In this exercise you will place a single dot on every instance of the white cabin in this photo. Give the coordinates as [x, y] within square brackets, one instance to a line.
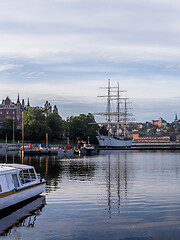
[18, 182]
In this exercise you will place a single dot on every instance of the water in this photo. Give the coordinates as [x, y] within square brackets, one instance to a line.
[114, 195]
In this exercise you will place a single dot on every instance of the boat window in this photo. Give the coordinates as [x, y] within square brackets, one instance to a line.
[27, 175]
[32, 174]
[9, 180]
[0, 188]
[15, 180]
[3, 181]
[21, 176]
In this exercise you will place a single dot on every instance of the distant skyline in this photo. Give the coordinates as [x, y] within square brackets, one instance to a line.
[63, 51]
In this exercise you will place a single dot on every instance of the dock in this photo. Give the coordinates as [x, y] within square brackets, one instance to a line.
[147, 146]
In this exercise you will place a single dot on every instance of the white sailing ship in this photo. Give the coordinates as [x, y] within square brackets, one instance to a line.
[117, 130]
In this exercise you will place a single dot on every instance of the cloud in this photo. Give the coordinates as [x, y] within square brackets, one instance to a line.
[68, 48]
[8, 66]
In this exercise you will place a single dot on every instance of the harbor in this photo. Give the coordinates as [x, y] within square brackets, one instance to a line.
[115, 193]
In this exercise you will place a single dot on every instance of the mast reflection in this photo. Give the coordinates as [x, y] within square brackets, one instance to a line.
[117, 171]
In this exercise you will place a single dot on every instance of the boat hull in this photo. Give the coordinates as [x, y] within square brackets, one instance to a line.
[106, 141]
[15, 196]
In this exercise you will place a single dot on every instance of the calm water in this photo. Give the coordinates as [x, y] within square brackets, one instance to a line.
[113, 195]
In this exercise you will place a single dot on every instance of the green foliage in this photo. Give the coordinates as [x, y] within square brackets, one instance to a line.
[103, 130]
[35, 127]
[55, 110]
[39, 121]
[55, 125]
[7, 128]
[47, 109]
[81, 127]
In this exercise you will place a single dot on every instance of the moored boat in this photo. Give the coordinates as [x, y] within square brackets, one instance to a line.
[117, 136]
[18, 183]
[84, 148]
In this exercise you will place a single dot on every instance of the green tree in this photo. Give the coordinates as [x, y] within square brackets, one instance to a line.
[83, 126]
[7, 128]
[35, 127]
[47, 109]
[55, 109]
[55, 125]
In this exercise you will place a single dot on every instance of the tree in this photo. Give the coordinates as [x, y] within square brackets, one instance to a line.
[55, 124]
[35, 127]
[7, 128]
[47, 109]
[55, 109]
[83, 126]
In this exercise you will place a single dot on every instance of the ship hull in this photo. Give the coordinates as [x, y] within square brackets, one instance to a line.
[109, 141]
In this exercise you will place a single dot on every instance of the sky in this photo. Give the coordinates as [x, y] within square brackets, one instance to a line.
[63, 51]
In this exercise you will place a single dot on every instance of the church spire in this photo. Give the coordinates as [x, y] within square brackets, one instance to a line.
[176, 118]
[28, 103]
[18, 99]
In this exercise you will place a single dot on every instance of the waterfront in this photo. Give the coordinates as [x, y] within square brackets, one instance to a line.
[114, 195]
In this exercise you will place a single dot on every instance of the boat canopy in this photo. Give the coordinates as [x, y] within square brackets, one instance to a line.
[10, 167]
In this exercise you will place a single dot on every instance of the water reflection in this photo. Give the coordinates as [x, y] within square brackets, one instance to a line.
[23, 215]
[117, 174]
[113, 195]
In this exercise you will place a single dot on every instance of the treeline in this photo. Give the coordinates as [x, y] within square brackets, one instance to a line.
[41, 120]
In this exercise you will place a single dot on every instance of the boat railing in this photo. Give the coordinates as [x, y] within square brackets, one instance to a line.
[39, 176]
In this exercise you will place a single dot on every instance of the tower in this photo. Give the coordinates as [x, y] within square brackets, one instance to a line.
[176, 118]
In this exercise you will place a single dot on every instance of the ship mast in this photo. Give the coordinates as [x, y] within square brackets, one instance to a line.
[118, 109]
[121, 113]
[109, 107]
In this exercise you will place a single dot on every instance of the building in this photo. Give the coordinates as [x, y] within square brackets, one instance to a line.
[142, 138]
[160, 122]
[13, 110]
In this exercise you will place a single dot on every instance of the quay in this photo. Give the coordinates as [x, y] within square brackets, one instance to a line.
[146, 146]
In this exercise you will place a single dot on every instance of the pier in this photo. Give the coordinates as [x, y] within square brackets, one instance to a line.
[147, 146]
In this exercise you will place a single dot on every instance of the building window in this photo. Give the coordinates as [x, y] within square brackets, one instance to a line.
[13, 117]
[0, 112]
[7, 112]
[13, 112]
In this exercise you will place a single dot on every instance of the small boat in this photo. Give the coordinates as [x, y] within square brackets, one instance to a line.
[18, 183]
[84, 148]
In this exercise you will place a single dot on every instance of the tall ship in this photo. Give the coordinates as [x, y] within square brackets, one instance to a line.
[116, 120]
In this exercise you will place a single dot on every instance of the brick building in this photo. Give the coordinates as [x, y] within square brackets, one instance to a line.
[13, 110]
[161, 122]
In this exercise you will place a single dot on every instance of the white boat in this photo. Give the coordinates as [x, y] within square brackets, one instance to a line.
[18, 183]
[111, 141]
[84, 148]
[117, 129]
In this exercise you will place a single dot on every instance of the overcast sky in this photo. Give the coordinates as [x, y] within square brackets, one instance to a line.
[64, 50]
